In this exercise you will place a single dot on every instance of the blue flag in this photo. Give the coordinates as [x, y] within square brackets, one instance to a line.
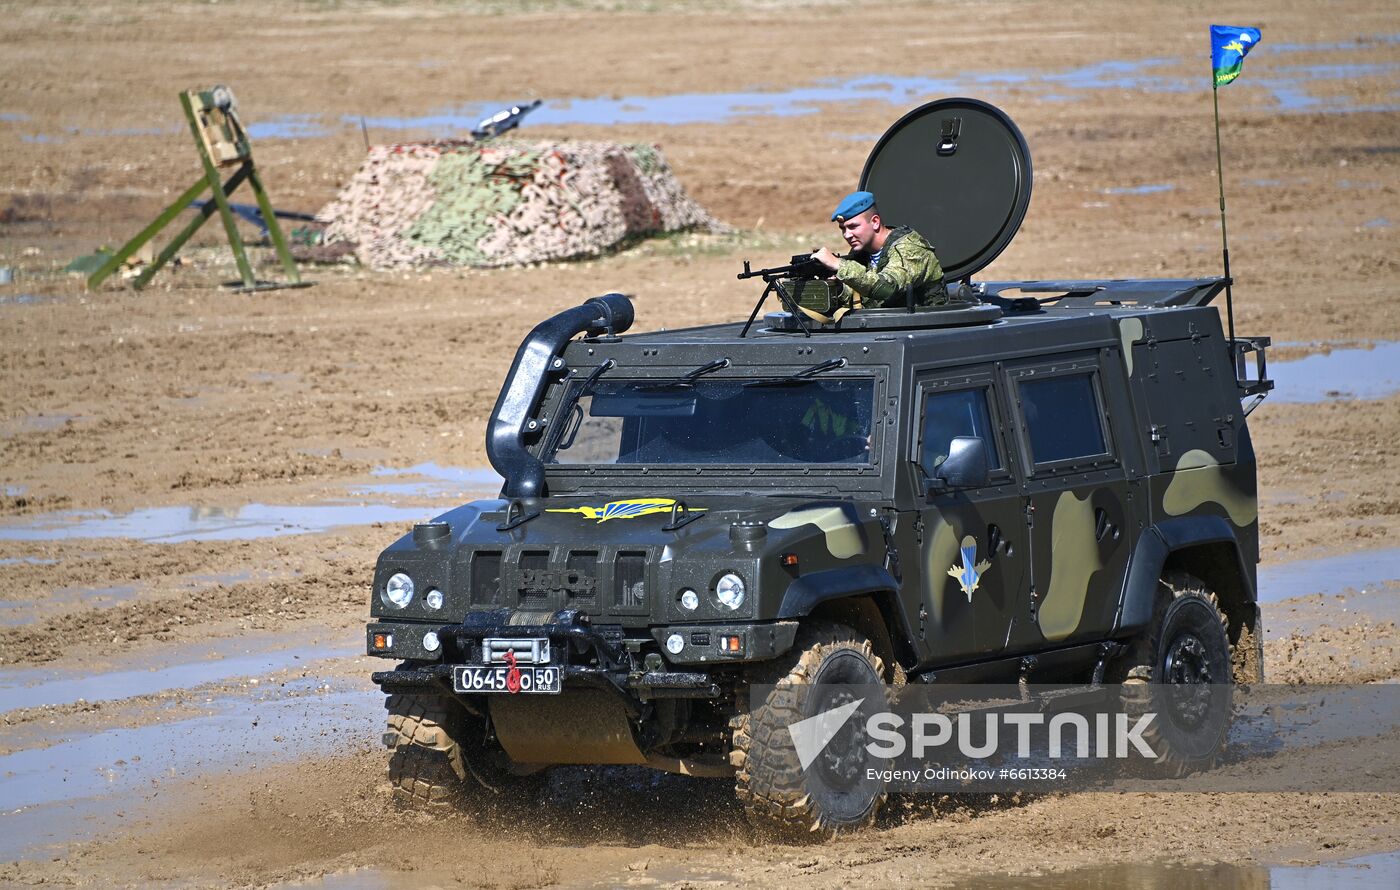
[1228, 47]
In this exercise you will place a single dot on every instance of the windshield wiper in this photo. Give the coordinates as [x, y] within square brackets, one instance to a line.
[687, 381]
[803, 376]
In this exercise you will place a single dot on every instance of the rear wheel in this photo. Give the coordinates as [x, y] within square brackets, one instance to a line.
[1182, 672]
[831, 668]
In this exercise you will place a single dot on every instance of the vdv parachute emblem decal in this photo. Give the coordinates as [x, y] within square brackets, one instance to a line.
[968, 575]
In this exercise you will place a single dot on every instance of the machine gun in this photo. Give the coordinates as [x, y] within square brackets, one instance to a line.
[802, 267]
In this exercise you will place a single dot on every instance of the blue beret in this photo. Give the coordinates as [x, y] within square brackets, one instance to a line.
[853, 204]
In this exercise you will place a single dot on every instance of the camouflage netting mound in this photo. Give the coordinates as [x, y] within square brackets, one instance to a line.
[504, 203]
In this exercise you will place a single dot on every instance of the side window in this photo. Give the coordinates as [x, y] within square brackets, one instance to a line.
[1062, 418]
[948, 415]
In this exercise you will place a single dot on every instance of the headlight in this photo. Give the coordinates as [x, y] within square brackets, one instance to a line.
[730, 591]
[430, 641]
[690, 600]
[433, 599]
[398, 590]
[675, 643]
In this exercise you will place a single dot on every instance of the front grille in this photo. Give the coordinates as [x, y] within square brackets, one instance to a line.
[629, 580]
[486, 577]
[534, 564]
[581, 578]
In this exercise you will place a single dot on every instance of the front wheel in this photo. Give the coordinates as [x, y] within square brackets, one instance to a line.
[442, 758]
[426, 767]
[832, 670]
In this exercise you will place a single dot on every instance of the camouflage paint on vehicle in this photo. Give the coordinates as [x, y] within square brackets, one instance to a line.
[1076, 557]
[844, 536]
[940, 553]
[1130, 331]
[1200, 479]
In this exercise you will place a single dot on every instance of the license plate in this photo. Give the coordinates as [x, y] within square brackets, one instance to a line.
[498, 679]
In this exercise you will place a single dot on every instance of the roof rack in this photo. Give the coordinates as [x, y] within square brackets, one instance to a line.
[1074, 294]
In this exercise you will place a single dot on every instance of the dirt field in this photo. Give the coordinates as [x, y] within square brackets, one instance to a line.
[350, 408]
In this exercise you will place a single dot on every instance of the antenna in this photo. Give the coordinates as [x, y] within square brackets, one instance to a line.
[1224, 236]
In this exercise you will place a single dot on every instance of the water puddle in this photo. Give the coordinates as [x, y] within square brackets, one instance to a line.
[78, 788]
[1379, 222]
[291, 126]
[1152, 189]
[14, 613]
[432, 481]
[27, 561]
[10, 117]
[23, 299]
[170, 525]
[1372, 373]
[1381, 870]
[273, 377]
[1287, 86]
[1328, 575]
[34, 423]
[697, 108]
[36, 687]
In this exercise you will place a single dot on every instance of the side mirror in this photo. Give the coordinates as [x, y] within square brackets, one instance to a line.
[965, 466]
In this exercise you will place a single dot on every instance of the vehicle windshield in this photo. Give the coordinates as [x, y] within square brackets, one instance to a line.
[822, 421]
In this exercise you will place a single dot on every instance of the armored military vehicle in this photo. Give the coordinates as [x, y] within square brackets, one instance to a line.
[1046, 481]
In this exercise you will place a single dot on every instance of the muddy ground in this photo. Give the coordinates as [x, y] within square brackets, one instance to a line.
[182, 698]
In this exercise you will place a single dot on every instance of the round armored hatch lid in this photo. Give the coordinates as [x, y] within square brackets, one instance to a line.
[957, 171]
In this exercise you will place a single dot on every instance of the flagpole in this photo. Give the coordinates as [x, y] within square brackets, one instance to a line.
[1224, 237]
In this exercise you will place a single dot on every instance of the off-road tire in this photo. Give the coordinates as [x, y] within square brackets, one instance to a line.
[1183, 670]
[426, 768]
[441, 757]
[779, 798]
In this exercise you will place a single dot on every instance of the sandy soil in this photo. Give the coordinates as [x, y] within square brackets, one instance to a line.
[186, 396]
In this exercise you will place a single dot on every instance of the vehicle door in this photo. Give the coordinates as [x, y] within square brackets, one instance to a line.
[972, 547]
[1076, 498]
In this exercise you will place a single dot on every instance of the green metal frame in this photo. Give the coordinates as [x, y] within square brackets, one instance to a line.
[210, 181]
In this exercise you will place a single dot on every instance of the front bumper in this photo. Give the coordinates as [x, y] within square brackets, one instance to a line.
[586, 654]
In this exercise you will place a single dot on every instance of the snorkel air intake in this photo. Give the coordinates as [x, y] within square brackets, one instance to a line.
[538, 355]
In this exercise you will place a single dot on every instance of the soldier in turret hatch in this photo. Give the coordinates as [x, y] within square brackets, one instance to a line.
[886, 265]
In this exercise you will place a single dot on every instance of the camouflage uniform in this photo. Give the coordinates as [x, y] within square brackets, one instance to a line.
[907, 261]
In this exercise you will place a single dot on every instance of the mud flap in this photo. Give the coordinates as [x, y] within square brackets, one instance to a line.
[578, 726]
